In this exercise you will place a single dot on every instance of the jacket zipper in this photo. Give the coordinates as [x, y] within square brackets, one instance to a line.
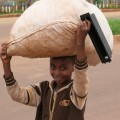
[53, 107]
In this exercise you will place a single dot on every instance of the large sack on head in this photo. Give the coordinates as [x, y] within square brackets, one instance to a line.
[48, 29]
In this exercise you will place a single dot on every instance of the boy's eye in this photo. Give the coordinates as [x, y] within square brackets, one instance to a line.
[63, 67]
[52, 67]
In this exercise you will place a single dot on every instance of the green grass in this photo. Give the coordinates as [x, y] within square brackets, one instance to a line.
[114, 25]
[18, 11]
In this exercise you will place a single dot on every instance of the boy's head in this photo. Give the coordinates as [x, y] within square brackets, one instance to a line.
[61, 68]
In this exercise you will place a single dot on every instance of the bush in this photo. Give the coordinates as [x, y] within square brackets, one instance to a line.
[115, 25]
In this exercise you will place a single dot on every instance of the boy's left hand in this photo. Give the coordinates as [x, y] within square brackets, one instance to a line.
[82, 30]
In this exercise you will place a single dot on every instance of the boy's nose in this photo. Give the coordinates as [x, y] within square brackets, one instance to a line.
[57, 72]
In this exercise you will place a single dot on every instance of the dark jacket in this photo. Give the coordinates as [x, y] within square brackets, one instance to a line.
[57, 106]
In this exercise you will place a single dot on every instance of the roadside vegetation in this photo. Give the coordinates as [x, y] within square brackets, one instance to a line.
[18, 11]
[115, 25]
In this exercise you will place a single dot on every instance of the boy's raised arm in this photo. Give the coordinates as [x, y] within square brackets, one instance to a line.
[28, 95]
[80, 83]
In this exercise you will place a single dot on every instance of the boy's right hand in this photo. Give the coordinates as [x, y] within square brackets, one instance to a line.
[3, 54]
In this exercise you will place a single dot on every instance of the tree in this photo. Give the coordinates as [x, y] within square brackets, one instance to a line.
[20, 1]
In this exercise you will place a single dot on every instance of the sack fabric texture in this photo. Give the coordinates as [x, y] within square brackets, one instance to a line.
[48, 29]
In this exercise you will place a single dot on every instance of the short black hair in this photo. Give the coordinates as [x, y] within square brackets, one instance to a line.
[72, 58]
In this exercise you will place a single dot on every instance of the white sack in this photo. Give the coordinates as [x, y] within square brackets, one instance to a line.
[48, 29]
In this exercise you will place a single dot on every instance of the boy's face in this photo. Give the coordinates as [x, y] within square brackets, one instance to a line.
[61, 69]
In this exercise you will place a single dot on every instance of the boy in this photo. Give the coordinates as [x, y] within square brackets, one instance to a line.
[63, 98]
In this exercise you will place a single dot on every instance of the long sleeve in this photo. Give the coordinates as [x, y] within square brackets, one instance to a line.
[80, 84]
[27, 95]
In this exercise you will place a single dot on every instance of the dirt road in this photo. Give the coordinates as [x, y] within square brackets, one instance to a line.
[112, 14]
[104, 91]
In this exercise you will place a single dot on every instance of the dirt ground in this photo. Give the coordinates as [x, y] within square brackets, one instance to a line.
[104, 91]
[112, 14]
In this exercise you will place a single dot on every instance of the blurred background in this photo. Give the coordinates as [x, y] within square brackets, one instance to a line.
[19, 6]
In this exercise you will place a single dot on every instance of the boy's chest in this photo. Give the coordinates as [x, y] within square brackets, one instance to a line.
[56, 104]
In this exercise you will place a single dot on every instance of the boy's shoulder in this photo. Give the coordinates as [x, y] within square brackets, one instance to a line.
[44, 83]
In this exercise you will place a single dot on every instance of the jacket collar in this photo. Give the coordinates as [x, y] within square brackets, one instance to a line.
[65, 86]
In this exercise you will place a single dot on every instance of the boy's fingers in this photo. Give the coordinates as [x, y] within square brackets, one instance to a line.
[88, 23]
[4, 47]
[5, 44]
[3, 51]
[3, 57]
[3, 54]
[84, 26]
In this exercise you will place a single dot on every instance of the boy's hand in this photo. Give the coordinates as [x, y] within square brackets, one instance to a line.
[81, 34]
[6, 60]
[82, 30]
[3, 54]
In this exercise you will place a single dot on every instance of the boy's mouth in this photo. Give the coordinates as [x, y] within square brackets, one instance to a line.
[58, 77]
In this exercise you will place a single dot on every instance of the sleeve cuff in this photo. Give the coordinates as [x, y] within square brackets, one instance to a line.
[10, 80]
[81, 64]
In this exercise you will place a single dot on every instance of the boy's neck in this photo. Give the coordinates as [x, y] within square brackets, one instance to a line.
[57, 86]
